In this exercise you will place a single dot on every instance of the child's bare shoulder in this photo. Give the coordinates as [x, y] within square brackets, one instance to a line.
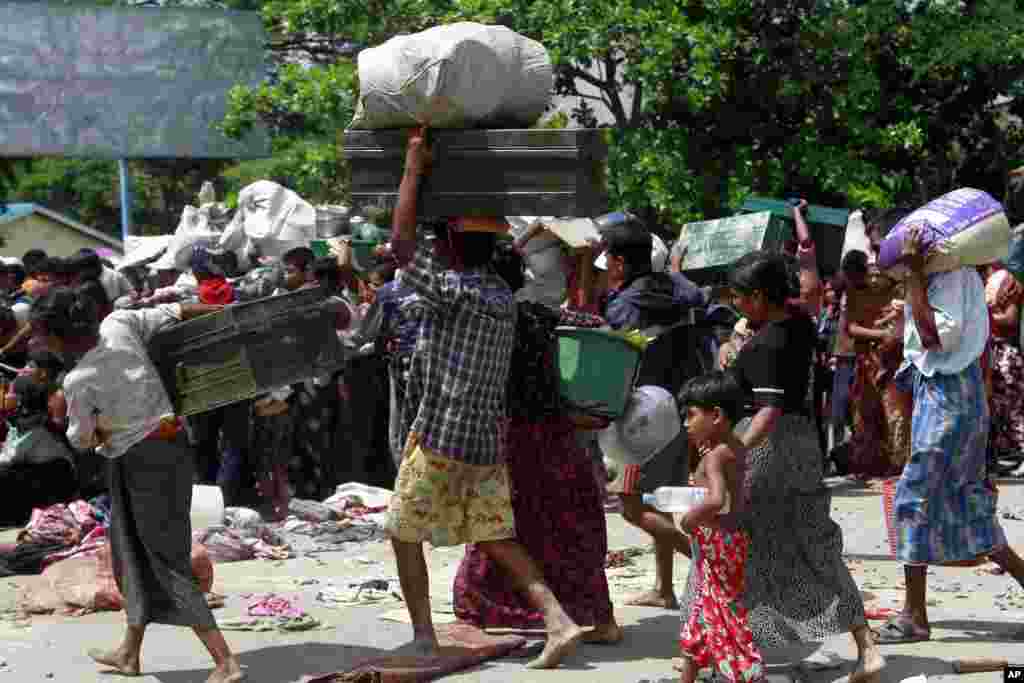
[727, 451]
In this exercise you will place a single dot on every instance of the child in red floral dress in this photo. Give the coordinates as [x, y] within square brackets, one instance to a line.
[716, 632]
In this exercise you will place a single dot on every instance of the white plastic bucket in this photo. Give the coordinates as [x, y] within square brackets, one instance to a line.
[207, 507]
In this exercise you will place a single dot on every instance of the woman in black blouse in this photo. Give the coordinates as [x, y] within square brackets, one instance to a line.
[798, 587]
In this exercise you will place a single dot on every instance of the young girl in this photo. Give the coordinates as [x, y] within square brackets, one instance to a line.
[716, 631]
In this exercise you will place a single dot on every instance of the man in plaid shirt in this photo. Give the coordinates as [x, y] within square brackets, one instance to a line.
[453, 484]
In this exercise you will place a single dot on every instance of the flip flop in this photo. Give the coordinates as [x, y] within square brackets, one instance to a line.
[900, 631]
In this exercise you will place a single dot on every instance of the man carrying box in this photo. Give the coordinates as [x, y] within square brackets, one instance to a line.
[453, 484]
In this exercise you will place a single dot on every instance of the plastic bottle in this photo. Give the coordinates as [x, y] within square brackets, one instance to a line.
[675, 498]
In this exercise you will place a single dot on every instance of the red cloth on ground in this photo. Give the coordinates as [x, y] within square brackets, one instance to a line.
[462, 647]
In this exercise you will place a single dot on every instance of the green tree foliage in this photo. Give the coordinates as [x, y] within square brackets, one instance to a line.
[83, 189]
[863, 103]
[848, 102]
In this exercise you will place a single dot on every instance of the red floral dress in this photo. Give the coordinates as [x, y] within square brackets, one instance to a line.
[717, 631]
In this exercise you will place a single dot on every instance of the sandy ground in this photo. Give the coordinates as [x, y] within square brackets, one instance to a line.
[972, 613]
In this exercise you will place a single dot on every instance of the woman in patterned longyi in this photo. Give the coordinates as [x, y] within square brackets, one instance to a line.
[797, 586]
[1004, 295]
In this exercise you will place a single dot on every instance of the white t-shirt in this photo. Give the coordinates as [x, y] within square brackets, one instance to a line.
[115, 384]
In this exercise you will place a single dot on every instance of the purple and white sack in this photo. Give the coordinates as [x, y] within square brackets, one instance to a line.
[963, 228]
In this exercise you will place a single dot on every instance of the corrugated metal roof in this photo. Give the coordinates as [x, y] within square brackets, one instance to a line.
[16, 210]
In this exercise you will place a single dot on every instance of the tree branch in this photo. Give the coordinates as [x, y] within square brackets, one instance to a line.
[634, 115]
[584, 76]
[613, 89]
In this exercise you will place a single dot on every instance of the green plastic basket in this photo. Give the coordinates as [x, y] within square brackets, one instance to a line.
[362, 252]
[596, 370]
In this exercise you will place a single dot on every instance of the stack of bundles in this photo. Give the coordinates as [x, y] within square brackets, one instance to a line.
[143, 250]
[270, 220]
[960, 229]
[193, 229]
[478, 88]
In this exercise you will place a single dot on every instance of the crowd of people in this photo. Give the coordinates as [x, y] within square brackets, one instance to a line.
[867, 413]
[450, 397]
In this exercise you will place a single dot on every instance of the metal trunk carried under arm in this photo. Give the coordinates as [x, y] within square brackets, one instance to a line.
[247, 350]
[532, 172]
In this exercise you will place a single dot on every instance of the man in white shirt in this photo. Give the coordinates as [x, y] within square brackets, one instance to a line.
[945, 505]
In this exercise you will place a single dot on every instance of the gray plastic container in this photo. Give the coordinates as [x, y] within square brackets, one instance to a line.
[530, 172]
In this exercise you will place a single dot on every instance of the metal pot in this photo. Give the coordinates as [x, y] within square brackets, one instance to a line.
[332, 220]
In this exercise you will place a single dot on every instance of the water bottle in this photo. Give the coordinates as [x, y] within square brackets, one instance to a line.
[675, 498]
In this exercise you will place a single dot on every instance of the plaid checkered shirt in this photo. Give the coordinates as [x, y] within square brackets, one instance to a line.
[459, 367]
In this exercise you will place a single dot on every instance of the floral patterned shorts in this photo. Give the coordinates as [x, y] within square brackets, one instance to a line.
[446, 502]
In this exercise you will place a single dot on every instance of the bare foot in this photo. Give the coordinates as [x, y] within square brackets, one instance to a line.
[687, 670]
[605, 634]
[654, 598]
[228, 672]
[869, 666]
[123, 664]
[559, 645]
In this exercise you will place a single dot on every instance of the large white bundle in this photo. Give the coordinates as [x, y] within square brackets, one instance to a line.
[270, 218]
[193, 229]
[139, 250]
[461, 75]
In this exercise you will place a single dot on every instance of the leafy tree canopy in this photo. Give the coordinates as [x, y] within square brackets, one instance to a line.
[848, 102]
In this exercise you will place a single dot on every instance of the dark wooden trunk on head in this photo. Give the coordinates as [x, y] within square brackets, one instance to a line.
[531, 172]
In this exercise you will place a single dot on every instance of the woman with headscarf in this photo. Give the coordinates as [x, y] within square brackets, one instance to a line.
[118, 404]
[214, 287]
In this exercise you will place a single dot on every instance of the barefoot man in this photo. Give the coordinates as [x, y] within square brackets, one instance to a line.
[117, 403]
[647, 298]
[453, 485]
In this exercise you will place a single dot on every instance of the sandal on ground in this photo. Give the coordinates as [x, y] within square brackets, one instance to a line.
[900, 631]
